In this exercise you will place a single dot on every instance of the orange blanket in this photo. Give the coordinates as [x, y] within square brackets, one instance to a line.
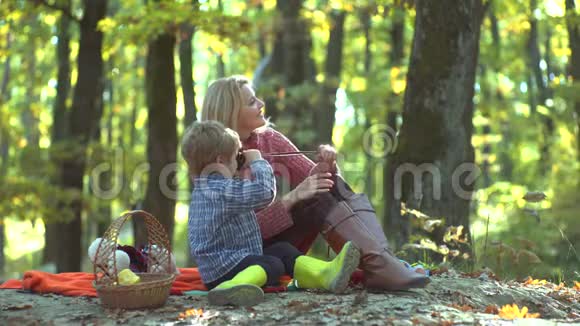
[81, 284]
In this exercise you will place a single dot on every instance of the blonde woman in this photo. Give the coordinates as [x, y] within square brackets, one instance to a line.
[319, 202]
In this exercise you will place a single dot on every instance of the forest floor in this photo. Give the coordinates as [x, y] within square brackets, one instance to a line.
[450, 299]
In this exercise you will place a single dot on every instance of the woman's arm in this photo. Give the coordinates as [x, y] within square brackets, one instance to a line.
[276, 218]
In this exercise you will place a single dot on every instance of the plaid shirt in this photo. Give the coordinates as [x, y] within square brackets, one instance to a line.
[222, 227]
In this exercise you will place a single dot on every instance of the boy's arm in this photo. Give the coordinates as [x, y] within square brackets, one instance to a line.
[242, 194]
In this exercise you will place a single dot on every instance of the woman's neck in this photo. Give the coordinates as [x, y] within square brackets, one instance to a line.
[244, 134]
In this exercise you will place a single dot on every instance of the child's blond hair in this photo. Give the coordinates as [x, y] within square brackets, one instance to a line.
[204, 141]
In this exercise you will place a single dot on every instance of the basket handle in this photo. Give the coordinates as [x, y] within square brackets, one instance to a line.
[156, 234]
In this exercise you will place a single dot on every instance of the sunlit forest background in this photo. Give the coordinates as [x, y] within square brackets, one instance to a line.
[95, 94]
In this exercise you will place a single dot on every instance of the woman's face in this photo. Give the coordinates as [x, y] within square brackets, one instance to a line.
[251, 114]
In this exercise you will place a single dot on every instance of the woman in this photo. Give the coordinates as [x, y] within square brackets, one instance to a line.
[320, 200]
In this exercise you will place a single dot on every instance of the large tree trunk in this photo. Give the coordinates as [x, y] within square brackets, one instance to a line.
[82, 125]
[332, 69]
[59, 120]
[574, 61]
[162, 137]
[434, 146]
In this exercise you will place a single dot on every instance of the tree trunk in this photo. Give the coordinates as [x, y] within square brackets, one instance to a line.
[291, 65]
[574, 61]
[332, 69]
[435, 138]
[59, 120]
[366, 22]
[4, 147]
[4, 142]
[542, 91]
[397, 228]
[220, 66]
[261, 38]
[82, 125]
[162, 138]
[186, 73]
[106, 177]
[187, 87]
[28, 115]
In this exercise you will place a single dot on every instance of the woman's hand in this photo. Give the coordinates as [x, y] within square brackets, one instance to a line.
[311, 186]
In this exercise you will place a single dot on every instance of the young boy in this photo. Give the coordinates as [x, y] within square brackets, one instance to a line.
[223, 232]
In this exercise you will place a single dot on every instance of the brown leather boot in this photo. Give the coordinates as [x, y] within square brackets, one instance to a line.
[353, 219]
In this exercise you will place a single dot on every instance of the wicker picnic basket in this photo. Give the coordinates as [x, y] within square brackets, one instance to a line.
[153, 289]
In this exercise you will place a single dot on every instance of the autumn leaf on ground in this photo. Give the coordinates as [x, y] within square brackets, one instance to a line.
[531, 281]
[492, 309]
[514, 312]
[463, 308]
[576, 286]
[560, 286]
[191, 313]
[21, 307]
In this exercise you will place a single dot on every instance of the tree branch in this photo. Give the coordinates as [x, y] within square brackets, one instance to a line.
[63, 10]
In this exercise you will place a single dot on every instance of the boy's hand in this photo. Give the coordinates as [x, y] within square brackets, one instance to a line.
[252, 155]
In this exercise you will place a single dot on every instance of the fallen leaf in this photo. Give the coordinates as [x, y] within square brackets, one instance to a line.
[21, 307]
[531, 281]
[513, 312]
[191, 313]
[576, 286]
[560, 286]
[463, 308]
[435, 314]
[573, 315]
[492, 309]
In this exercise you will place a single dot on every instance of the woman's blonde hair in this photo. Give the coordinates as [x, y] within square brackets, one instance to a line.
[223, 100]
[204, 141]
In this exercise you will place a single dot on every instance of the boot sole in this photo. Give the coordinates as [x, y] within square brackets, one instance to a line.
[351, 262]
[240, 295]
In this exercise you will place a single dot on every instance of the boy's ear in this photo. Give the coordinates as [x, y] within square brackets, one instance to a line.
[220, 159]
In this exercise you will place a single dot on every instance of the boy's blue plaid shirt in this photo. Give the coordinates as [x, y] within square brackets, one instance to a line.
[222, 227]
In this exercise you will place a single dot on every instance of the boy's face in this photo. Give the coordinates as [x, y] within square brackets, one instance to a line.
[233, 163]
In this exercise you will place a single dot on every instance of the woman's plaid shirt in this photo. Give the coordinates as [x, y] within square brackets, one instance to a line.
[222, 227]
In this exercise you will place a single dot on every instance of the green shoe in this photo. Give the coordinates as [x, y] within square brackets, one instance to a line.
[312, 273]
[242, 290]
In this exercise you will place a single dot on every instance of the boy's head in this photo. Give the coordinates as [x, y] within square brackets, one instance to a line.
[206, 143]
